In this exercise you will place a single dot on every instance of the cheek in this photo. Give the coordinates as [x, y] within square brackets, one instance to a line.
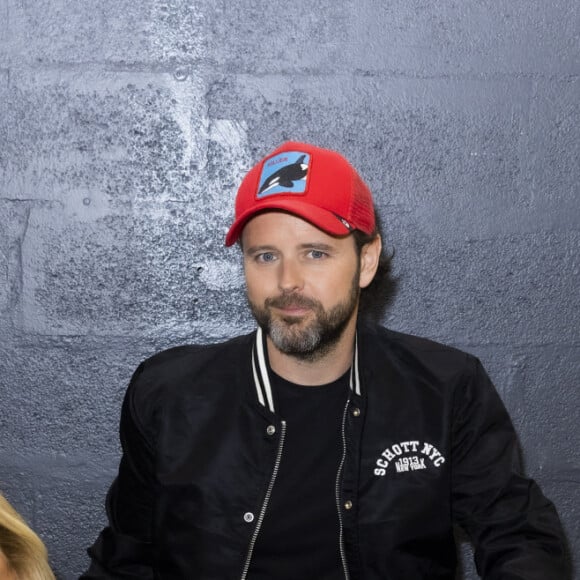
[257, 284]
[333, 288]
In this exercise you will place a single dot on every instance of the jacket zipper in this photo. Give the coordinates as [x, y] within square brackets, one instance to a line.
[337, 490]
[265, 503]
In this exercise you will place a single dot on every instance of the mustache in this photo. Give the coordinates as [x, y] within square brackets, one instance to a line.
[291, 301]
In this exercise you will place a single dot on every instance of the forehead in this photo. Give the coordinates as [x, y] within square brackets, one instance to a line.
[275, 227]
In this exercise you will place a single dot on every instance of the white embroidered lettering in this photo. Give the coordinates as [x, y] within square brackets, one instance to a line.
[413, 463]
[402, 465]
[388, 455]
[434, 454]
[397, 454]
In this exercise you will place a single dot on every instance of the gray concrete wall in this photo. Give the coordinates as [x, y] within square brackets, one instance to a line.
[124, 127]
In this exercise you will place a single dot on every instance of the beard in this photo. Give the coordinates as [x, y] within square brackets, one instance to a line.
[302, 338]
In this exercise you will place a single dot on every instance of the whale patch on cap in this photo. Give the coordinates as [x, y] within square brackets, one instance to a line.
[286, 172]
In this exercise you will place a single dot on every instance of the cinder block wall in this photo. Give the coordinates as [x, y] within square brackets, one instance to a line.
[124, 128]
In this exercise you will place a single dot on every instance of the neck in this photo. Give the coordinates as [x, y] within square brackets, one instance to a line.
[319, 371]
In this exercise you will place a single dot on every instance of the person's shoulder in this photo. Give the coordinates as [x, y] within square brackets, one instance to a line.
[188, 368]
[387, 337]
[185, 359]
[174, 378]
[416, 351]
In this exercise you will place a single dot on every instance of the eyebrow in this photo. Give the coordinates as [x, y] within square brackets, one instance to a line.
[256, 249]
[316, 246]
[308, 246]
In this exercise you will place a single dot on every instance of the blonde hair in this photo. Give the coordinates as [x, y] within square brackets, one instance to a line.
[26, 554]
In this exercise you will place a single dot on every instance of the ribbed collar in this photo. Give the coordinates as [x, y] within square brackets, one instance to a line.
[262, 378]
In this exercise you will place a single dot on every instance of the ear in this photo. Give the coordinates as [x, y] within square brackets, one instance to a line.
[369, 261]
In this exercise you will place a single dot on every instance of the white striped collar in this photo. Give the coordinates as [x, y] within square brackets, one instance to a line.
[262, 379]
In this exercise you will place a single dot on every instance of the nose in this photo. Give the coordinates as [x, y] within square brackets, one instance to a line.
[290, 276]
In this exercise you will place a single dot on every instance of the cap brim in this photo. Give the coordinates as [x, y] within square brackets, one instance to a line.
[321, 218]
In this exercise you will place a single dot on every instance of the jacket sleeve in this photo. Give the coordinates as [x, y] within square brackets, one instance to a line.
[515, 530]
[124, 549]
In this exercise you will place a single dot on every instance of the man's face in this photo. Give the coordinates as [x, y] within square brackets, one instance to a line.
[302, 284]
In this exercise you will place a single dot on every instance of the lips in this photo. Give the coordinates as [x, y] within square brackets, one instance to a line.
[291, 301]
[295, 312]
[293, 305]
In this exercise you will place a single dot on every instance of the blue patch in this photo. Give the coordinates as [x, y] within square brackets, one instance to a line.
[284, 173]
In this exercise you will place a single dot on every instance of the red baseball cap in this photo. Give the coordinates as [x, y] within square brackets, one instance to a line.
[318, 185]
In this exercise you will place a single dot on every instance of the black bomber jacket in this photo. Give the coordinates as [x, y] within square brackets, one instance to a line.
[427, 444]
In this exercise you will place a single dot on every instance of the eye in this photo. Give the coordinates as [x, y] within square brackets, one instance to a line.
[317, 254]
[265, 257]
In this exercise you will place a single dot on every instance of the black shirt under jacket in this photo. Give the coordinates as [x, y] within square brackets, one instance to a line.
[299, 537]
[428, 444]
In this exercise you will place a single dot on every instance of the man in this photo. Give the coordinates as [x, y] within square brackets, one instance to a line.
[317, 447]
